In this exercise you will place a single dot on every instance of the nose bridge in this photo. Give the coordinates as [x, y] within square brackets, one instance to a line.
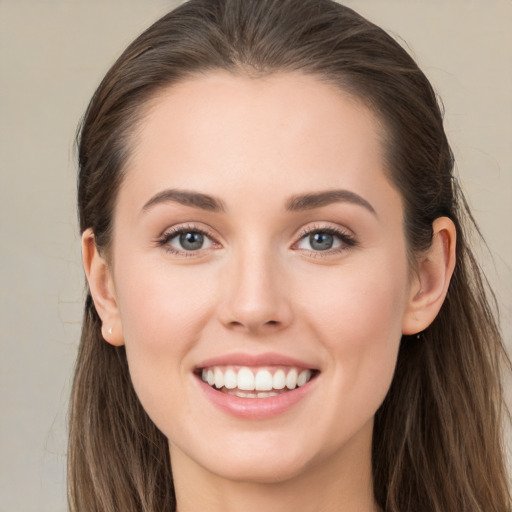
[255, 296]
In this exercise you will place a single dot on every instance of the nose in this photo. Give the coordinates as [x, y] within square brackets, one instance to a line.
[255, 296]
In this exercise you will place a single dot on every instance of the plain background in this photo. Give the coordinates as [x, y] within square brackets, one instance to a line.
[52, 55]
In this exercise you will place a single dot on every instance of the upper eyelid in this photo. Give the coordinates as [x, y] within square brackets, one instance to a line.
[175, 230]
[172, 232]
[207, 231]
[163, 241]
[324, 227]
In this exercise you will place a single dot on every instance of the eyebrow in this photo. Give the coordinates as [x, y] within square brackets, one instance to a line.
[186, 198]
[294, 204]
[319, 199]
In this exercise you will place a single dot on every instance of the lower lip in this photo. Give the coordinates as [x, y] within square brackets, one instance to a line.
[256, 408]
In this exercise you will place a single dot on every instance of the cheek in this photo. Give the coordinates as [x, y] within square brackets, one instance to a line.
[358, 317]
[162, 314]
[162, 306]
[360, 307]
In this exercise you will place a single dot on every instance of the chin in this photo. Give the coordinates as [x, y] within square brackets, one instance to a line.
[271, 470]
[268, 458]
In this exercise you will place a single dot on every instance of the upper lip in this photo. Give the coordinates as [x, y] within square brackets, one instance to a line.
[244, 359]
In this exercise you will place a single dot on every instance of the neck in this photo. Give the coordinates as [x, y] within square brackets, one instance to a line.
[341, 482]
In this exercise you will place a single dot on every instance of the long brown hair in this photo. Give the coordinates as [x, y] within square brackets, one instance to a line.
[437, 436]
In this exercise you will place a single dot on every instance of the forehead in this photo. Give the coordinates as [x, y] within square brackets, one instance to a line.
[284, 132]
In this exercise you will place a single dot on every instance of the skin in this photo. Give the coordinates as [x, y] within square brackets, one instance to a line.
[258, 285]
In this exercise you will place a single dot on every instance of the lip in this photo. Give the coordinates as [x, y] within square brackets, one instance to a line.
[255, 408]
[253, 360]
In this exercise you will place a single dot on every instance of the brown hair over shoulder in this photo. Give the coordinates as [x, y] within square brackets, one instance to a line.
[437, 436]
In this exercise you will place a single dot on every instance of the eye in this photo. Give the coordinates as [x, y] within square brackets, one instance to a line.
[185, 240]
[321, 241]
[325, 239]
[190, 240]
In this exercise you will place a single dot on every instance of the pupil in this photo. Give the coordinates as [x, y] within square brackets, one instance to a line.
[191, 241]
[321, 241]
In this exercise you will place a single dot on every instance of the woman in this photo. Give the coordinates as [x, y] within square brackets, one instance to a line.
[283, 311]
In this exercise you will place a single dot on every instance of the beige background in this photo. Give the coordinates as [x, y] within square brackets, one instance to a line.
[52, 55]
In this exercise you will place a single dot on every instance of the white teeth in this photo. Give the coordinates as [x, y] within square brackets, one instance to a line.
[266, 395]
[279, 380]
[261, 394]
[291, 379]
[241, 394]
[263, 380]
[219, 378]
[230, 379]
[303, 377]
[255, 379]
[245, 379]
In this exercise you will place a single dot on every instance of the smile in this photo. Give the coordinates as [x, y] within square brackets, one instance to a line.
[257, 386]
[255, 382]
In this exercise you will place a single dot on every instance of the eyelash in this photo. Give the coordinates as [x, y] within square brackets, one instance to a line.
[348, 241]
[166, 237]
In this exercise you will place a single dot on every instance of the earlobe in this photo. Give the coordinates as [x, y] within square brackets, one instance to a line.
[430, 286]
[102, 289]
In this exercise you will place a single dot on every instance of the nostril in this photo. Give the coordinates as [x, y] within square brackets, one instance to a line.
[270, 323]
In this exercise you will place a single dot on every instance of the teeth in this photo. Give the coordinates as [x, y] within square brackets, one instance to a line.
[261, 394]
[256, 379]
[303, 377]
[266, 395]
[219, 378]
[241, 394]
[291, 379]
[263, 380]
[230, 379]
[245, 379]
[279, 380]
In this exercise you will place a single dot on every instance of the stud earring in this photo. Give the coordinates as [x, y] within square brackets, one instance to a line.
[110, 330]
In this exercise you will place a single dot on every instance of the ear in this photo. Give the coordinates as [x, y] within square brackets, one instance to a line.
[102, 289]
[430, 284]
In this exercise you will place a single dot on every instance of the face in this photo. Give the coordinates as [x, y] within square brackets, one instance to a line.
[257, 240]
